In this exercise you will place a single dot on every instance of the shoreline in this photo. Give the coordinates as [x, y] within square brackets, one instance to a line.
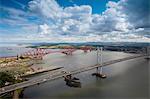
[41, 71]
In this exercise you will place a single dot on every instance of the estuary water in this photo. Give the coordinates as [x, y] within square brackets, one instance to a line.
[126, 80]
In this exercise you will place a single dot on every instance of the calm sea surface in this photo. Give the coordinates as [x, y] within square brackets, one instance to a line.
[126, 80]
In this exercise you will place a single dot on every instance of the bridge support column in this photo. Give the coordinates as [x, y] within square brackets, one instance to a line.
[15, 94]
[99, 62]
[148, 53]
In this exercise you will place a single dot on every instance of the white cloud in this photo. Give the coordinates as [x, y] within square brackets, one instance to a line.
[44, 29]
[72, 20]
[112, 19]
[77, 23]
[14, 16]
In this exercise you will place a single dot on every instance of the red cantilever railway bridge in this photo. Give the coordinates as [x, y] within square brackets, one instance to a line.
[40, 52]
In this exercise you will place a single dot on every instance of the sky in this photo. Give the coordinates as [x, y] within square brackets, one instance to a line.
[74, 21]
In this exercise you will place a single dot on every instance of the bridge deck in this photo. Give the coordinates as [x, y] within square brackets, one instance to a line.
[59, 74]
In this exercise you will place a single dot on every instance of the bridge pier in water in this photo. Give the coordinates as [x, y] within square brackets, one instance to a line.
[72, 81]
[99, 73]
[148, 53]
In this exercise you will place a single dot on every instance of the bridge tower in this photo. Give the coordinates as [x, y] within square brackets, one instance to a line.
[99, 58]
[148, 52]
[99, 73]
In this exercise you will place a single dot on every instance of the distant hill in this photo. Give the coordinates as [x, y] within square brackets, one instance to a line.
[133, 44]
